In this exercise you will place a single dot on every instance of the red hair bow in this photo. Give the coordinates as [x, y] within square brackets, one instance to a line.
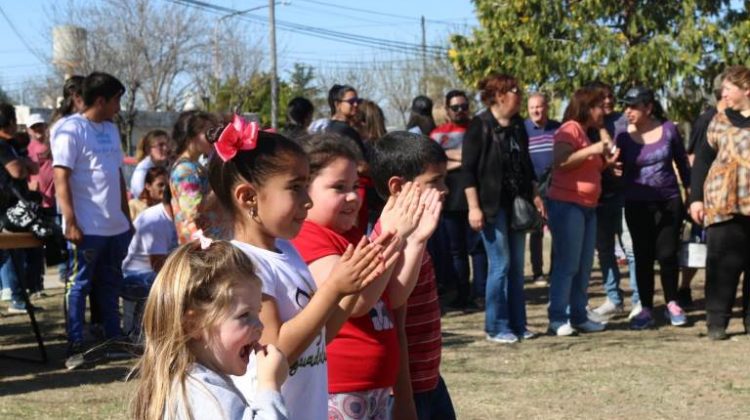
[239, 135]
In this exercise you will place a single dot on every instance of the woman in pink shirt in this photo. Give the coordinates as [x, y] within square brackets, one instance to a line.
[573, 196]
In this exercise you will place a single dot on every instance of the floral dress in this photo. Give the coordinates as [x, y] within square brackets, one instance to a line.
[188, 183]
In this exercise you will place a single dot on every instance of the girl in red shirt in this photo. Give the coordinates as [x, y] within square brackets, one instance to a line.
[363, 358]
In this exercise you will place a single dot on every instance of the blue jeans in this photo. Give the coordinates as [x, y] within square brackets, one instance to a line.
[573, 238]
[435, 404]
[99, 258]
[505, 301]
[609, 216]
[11, 273]
[463, 242]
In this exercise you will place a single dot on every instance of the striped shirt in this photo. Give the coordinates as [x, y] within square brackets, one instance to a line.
[423, 330]
[540, 144]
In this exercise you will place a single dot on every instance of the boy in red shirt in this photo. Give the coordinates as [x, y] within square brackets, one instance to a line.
[397, 158]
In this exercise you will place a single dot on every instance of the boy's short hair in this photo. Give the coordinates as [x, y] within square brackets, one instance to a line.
[100, 85]
[402, 154]
[7, 115]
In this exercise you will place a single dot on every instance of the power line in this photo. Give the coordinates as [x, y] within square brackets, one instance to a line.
[370, 12]
[343, 37]
[15, 30]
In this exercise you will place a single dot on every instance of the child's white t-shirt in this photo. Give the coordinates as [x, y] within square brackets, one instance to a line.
[287, 279]
[92, 152]
[155, 234]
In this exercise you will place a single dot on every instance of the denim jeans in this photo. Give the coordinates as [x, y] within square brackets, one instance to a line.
[11, 273]
[435, 404]
[626, 243]
[505, 301]
[463, 242]
[573, 236]
[97, 258]
[609, 217]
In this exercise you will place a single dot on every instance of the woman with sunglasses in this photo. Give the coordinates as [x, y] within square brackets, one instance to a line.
[344, 104]
[497, 168]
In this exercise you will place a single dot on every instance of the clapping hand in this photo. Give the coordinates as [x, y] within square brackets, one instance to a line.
[403, 212]
[432, 201]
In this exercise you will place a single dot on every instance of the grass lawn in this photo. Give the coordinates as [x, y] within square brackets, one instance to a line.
[663, 373]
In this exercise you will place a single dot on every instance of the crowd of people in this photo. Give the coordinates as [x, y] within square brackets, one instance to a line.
[297, 274]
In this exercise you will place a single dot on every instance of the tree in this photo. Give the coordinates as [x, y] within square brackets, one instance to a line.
[4, 98]
[252, 95]
[149, 48]
[301, 80]
[673, 47]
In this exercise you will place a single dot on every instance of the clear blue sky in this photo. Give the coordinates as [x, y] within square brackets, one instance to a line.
[393, 20]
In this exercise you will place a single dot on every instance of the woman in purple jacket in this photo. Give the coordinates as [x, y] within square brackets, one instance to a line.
[654, 209]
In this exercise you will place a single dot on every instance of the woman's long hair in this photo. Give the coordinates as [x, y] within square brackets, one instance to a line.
[192, 293]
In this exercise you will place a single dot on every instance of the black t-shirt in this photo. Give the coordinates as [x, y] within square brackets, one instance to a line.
[700, 127]
[8, 155]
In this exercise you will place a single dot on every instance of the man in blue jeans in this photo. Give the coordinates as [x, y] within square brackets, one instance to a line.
[90, 189]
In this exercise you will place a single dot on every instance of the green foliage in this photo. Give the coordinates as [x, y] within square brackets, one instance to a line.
[254, 95]
[300, 81]
[677, 48]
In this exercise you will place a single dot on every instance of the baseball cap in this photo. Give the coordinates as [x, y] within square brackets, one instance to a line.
[35, 119]
[637, 95]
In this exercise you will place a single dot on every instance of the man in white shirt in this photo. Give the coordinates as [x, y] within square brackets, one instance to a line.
[92, 198]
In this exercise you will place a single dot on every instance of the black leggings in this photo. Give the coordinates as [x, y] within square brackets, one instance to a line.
[728, 256]
[655, 229]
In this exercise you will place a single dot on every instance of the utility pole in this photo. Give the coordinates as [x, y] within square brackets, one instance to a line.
[423, 84]
[274, 75]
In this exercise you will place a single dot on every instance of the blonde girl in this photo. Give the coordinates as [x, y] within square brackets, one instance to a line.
[201, 325]
[261, 179]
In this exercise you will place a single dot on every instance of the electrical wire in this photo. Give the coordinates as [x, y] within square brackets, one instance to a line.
[348, 38]
[15, 30]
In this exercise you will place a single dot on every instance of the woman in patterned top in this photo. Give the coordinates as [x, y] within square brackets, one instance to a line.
[188, 179]
[721, 201]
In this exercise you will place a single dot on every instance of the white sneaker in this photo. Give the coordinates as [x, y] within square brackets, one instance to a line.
[637, 308]
[608, 309]
[589, 326]
[562, 330]
[6, 295]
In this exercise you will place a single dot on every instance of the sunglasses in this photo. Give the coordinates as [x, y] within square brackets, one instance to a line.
[515, 90]
[352, 101]
[459, 107]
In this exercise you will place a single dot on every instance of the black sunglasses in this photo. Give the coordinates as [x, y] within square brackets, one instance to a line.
[352, 101]
[459, 107]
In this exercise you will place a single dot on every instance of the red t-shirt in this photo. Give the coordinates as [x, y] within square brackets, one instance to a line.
[364, 354]
[423, 327]
[581, 185]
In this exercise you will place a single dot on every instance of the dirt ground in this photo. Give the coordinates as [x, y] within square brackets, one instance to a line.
[665, 373]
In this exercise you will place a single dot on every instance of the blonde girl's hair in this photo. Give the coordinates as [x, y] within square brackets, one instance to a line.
[142, 150]
[196, 282]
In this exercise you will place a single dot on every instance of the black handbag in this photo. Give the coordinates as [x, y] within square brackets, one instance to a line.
[524, 216]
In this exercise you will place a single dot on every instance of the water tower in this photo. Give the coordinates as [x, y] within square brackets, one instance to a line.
[68, 48]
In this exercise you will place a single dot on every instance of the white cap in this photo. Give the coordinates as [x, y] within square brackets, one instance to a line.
[35, 119]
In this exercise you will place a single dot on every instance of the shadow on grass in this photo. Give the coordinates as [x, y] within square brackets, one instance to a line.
[32, 377]
[457, 340]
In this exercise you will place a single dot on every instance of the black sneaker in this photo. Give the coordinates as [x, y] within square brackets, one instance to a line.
[717, 333]
[684, 298]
